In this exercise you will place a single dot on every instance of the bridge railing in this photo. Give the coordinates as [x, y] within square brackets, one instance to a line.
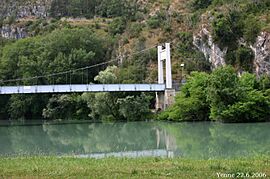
[80, 88]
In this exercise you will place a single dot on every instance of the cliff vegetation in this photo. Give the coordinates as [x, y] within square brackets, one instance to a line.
[43, 37]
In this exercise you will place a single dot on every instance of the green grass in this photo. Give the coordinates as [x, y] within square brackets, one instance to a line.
[53, 167]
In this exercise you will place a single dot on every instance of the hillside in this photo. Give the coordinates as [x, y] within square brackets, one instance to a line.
[40, 37]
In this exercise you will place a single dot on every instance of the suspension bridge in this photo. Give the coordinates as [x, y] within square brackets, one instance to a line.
[79, 88]
[163, 89]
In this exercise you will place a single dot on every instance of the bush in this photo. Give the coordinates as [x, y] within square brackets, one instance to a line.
[194, 59]
[200, 4]
[264, 82]
[167, 27]
[255, 108]
[89, 9]
[134, 108]
[134, 30]
[223, 33]
[236, 99]
[252, 28]
[117, 26]
[228, 28]
[191, 104]
[230, 57]
[222, 96]
[10, 19]
[244, 58]
[66, 107]
[139, 16]
[154, 22]
[185, 44]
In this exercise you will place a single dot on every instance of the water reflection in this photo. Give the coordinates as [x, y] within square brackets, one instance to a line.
[136, 139]
[131, 154]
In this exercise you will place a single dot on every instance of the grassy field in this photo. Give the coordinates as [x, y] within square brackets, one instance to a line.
[53, 167]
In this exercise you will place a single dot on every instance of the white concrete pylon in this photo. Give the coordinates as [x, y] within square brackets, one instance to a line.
[160, 66]
[165, 55]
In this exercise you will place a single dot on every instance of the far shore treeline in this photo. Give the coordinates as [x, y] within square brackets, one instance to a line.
[72, 34]
[223, 96]
[63, 50]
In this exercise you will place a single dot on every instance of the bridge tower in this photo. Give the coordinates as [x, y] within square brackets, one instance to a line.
[165, 99]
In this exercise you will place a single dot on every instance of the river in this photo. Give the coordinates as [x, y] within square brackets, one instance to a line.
[200, 140]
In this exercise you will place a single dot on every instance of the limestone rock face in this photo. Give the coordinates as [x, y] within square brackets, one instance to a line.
[24, 9]
[13, 32]
[261, 49]
[216, 56]
[203, 40]
[21, 11]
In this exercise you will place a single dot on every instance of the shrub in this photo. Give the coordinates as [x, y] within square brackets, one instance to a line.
[222, 31]
[230, 57]
[200, 4]
[167, 27]
[244, 58]
[191, 103]
[222, 96]
[134, 30]
[252, 28]
[227, 29]
[153, 22]
[185, 42]
[117, 26]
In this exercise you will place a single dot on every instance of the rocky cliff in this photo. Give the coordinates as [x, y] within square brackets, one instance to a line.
[204, 42]
[13, 12]
[22, 9]
[13, 32]
[261, 49]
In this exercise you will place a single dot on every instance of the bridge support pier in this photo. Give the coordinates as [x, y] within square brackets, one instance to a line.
[165, 99]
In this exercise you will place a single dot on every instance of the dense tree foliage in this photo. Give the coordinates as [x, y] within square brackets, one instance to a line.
[116, 106]
[117, 26]
[134, 70]
[115, 29]
[91, 8]
[188, 54]
[233, 22]
[222, 96]
[68, 107]
[191, 104]
[200, 4]
[236, 99]
[61, 50]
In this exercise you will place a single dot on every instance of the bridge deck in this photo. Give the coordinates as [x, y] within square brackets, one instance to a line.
[81, 88]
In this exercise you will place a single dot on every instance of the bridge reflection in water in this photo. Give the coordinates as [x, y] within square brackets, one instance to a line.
[201, 140]
[93, 140]
[131, 154]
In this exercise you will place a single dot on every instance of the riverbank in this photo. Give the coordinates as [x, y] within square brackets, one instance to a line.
[54, 167]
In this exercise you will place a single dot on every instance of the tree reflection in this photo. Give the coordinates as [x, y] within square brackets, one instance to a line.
[215, 140]
[232, 140]
[100, 137]
[190, 140]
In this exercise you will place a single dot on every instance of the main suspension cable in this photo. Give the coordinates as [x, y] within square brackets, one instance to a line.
[75, 70]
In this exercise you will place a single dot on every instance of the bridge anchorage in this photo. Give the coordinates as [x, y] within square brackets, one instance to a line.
[164, 91]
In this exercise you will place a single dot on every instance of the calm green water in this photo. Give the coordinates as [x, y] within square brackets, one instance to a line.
[135, 139]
